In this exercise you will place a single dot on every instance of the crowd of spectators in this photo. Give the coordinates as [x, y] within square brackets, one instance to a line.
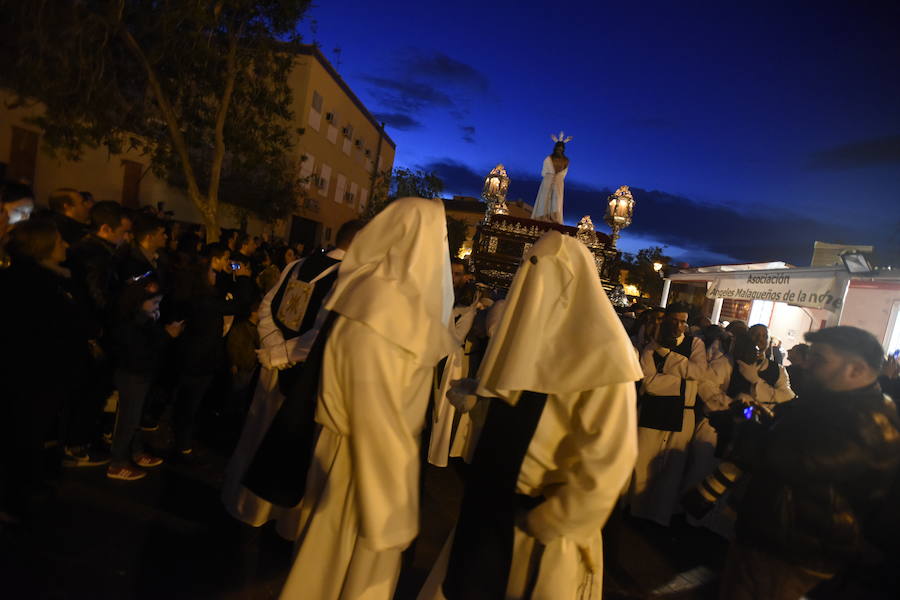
[111, 317]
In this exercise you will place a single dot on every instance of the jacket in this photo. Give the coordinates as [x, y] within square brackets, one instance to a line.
[138, 345]
[817, 473]
[95, 266]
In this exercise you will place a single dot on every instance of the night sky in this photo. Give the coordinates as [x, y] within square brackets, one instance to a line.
[746, 130]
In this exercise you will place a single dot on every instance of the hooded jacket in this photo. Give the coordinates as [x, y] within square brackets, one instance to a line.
[817, 474]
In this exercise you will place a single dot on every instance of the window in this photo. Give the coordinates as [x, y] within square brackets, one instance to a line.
[317, 101]
[340, 189]
[306, 167]
[363, 198]
[324, 178]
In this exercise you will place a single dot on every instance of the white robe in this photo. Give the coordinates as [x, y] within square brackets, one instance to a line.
[444, 443]
[662, 455]
[701, 453]
[584, 445]
[580, 457]
[762, 392]
[361, 507]
[548, 206]
[393, 295]
[239, 501]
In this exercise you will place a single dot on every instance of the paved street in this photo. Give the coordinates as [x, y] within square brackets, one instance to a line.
[168, 536]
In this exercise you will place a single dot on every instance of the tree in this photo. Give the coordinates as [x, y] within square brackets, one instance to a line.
[417, 183]
[641, 272]
[381, 195]
[198, 87]
[401, 183]
[457, 232]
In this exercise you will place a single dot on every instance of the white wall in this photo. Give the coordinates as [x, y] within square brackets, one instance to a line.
[102, 174]
[789, 323]
[868, 306]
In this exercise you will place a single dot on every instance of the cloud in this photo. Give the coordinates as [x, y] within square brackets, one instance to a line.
[410, 87]
[696, 232]
[866, 153]
[440, 68]
[399, 121]
[406, 96]
[468, 133]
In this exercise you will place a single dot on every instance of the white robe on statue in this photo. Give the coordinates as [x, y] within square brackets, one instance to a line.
[548, 206]
[275, 353]
[584, 447]
[662, 455]
[361, 507]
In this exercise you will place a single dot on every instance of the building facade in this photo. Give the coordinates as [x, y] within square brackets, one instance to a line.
[339, 148]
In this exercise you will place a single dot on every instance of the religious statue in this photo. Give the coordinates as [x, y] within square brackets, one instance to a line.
[548, 206]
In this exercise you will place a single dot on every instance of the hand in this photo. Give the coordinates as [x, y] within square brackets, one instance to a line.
[745, 399]
[891, 368]
[174, 329]
[462, 394]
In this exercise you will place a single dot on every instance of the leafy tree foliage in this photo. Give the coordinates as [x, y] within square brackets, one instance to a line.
[200, 87]
[417, 183]
[641, 272]
[402, 183]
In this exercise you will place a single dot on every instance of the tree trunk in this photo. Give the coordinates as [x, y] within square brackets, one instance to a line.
[215, 175]
[207, 205]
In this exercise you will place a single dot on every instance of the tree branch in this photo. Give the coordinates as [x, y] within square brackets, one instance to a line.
[171, 118]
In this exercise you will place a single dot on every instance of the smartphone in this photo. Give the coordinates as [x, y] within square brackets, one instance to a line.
[234, 265]
[748, 412]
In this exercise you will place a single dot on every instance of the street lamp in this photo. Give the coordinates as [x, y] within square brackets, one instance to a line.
[657, 266]
[619, 211]
[496, 184]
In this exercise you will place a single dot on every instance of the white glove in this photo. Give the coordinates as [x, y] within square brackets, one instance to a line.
[462, 394]
[750, 372]
[275, 357]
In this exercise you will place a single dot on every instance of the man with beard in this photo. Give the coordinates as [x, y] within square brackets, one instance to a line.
[817, 473]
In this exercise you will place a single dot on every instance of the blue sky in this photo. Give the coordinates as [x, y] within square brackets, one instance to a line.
[747, 130]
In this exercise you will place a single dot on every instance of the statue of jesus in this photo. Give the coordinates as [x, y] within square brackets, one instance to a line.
[548, 206]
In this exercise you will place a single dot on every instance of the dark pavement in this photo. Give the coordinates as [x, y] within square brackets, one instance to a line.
[168, 536]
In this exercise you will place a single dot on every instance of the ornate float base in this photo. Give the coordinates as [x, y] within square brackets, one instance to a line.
[502, 241]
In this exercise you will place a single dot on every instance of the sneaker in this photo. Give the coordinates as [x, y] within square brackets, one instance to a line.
[147, 461]
[81, 457]
[125, 473]
[149, 426]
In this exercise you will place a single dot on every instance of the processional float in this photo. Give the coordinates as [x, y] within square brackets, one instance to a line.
[502, 240]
